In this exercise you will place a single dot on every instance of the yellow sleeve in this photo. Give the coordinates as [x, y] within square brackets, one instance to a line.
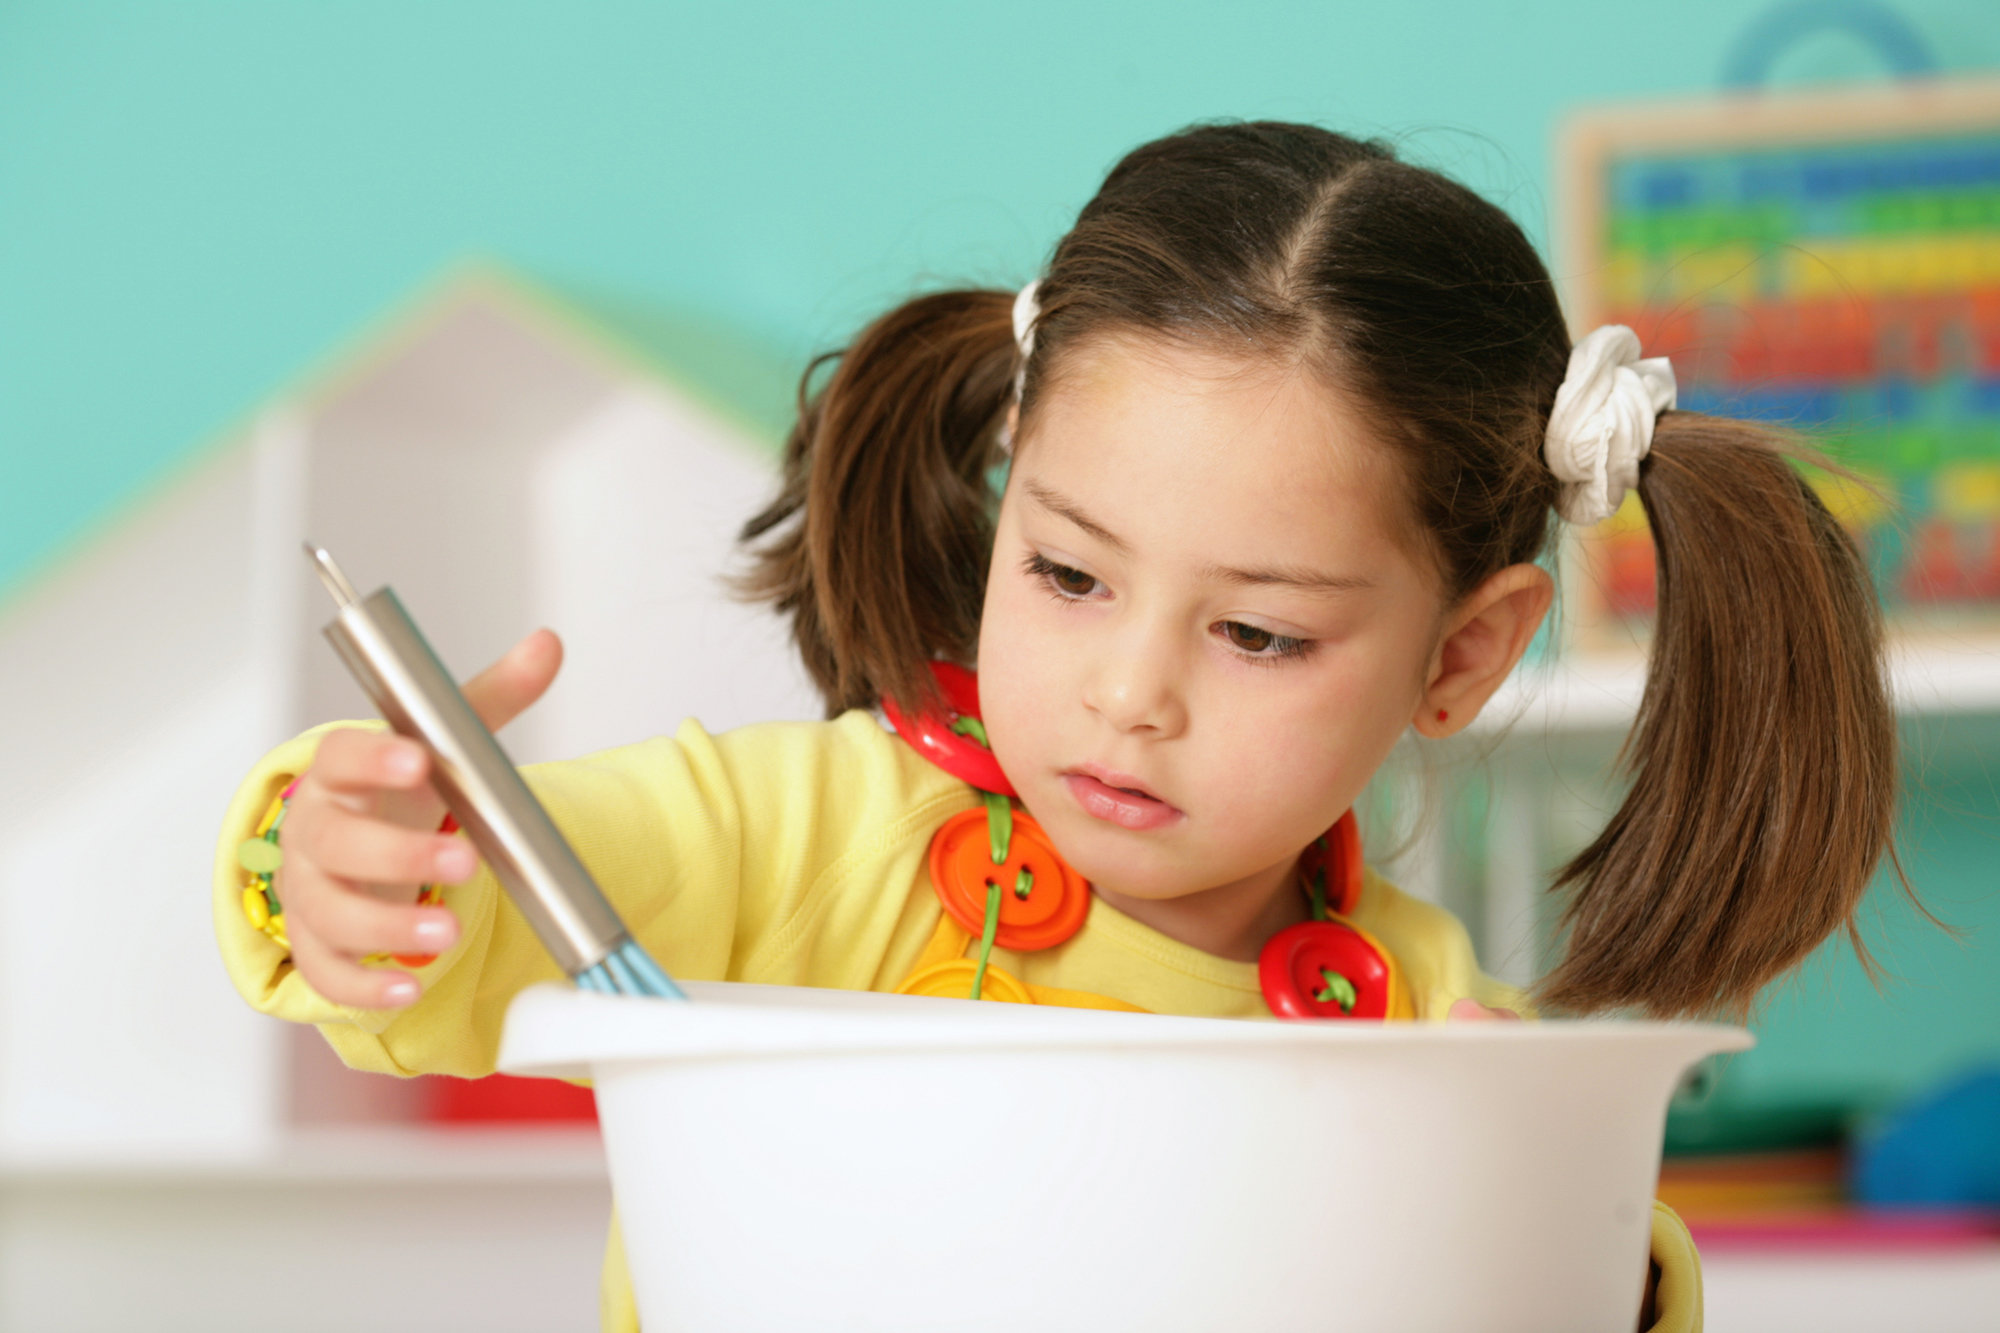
[617, 1305]
[1432, 949]
[758, 855]
[1677, 1305]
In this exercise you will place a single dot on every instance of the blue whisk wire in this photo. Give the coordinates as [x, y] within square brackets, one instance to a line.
[621, 975]
[653, 980]
[629, 970]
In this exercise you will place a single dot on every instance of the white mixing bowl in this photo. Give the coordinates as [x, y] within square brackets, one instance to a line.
[811, 1160]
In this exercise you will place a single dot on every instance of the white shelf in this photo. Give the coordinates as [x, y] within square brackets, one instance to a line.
[1859, 1292]
[1931, 678]
[1553, 731]
[372, 1155]
[502, 1231]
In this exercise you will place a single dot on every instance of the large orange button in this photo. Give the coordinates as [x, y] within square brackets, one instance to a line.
[952, 980]
[963, 873]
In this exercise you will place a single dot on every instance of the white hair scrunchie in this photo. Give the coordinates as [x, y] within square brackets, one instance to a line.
[1602, 423]
[1026, 311]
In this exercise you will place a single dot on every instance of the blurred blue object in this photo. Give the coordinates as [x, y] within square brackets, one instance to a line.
[1881, 27]
[1942, 1150]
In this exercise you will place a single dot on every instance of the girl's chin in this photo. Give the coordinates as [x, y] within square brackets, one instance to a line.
[1142, 893]
[1136, 867]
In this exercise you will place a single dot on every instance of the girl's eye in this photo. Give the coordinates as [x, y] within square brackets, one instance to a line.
[1067, 584]
[1261, 643]
[1064, 581]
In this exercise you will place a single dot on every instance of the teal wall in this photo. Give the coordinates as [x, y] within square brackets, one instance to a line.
[201, 200]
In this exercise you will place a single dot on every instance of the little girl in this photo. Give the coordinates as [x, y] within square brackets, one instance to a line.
[1287, 423]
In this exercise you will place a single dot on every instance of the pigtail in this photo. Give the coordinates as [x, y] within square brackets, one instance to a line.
[1764, 754]
[881, 531]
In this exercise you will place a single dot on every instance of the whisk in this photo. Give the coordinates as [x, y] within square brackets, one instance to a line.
[575, 922]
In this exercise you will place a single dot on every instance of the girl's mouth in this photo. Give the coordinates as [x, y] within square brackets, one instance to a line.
[1117, 798]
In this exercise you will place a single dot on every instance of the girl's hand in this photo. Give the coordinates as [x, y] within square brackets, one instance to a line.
[1472, 1011]
[360, 840]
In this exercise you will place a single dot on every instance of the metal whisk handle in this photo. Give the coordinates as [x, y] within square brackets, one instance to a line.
[397, 668]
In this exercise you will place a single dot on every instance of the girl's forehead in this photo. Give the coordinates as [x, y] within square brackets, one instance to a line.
[1175, 441]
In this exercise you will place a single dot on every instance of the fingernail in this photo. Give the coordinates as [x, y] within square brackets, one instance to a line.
[433, 931]
[454, 862]
[399, 992]
[403, 761]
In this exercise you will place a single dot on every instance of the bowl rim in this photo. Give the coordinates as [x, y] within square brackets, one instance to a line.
[556, 1031]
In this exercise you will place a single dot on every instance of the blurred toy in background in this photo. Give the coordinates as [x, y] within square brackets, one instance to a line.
[1829, 1176]
[1940, 1151]
[502, 1099]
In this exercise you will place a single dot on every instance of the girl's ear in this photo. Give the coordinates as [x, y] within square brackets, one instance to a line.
[1484, 636]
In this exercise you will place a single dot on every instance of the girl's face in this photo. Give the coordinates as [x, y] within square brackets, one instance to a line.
[1203, 629]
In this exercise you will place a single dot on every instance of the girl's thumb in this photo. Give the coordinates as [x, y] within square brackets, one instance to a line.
[504, 690]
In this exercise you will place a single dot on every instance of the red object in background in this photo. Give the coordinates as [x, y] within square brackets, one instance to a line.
[1932, 571]
[502, 1099]
[1670, 331]
[1803, 342]
[1628, 574]
[1983, 582]
[1986, 328]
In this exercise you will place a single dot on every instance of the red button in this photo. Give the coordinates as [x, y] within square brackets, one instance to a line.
[930, 734]
[962, 872]
[1340, 857]
[1327, 969]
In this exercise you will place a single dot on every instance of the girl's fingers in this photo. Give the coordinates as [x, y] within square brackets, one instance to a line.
[343, 981]
[353, 763]
[347, 920]
[504, 690]
[354, 847]
[1472, 1011]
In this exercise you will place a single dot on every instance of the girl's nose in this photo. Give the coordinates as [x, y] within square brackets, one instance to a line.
[1136, 689]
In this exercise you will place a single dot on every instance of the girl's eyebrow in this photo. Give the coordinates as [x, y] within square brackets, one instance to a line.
[1284, 576]
[1288, 576]
[1056, 502]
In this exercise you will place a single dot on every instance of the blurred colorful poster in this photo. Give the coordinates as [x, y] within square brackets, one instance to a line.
[1832, 267]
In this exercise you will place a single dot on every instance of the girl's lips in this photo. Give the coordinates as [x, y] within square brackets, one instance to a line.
[1115, 805]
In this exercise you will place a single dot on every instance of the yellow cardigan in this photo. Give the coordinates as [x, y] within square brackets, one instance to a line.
[788, 853]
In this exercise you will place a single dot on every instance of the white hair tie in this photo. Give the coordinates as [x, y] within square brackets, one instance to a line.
[1602, 423]
[1026, 311]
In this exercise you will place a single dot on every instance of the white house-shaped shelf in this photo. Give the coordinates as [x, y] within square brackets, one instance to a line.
[505, 462]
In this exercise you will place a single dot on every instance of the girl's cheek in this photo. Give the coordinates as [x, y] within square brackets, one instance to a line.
[1000, 668]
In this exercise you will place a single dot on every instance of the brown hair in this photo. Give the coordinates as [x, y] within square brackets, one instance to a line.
[1763, 760]
[886, 469]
